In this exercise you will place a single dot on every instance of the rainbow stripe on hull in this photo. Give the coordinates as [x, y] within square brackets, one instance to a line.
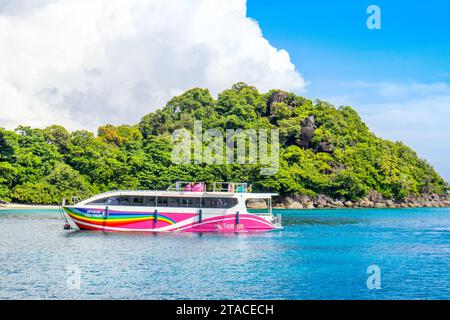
[121, 221]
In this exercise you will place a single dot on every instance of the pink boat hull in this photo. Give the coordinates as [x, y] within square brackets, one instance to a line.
[118, 221]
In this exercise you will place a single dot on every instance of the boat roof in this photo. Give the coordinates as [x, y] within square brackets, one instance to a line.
[191, 189]
[186, 194]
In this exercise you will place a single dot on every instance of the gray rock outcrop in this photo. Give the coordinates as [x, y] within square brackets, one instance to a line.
[372, 200]
[307, 132]
[276, 97]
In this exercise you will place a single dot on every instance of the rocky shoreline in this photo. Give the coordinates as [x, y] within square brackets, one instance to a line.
[372, 200]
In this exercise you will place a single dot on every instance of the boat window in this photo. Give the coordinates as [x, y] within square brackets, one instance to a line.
[99, 201]
[261, 205]
[124, 201]
[113, 201]
[224, 203]
[138, 201]
[150, 201]
[182, 202]
[162, 201]
[119, 201]
[174, 202]
[189, 202]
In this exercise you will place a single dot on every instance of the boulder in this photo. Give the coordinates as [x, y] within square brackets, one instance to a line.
[404, 205]
[379, 205]
[303, 199]
[325, 147]
[338, 203]
[307, 133]
[276, 97]
[288, 201]
[295, 205]
[310, 206]
[366, 204]
[349, 204]
[390, 204]
[363, 203]
[321, 201]
[375, 196]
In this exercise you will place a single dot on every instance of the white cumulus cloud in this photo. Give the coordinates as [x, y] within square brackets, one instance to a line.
[415, 113]
[88, 62]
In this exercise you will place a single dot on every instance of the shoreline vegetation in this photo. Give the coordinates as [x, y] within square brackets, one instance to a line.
[328, 157]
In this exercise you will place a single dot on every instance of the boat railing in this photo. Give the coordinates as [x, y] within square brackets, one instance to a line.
[186, 186]
[71, 201]
[232, 187]
[189, 186]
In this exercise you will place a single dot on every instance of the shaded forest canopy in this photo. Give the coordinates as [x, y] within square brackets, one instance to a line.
[324, 150]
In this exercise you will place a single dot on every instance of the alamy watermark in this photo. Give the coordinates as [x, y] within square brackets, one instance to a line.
[73, 281]
[239, 146]
[374, 20]
[374, 280]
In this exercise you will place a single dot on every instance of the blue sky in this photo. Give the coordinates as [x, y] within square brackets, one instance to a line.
[398, 77]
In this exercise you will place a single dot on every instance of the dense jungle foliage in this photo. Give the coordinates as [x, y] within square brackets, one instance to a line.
[42, 166]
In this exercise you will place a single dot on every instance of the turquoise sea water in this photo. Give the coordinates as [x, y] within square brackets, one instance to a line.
[320, 254]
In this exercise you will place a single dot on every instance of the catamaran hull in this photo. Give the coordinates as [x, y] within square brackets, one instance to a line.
[121, 221]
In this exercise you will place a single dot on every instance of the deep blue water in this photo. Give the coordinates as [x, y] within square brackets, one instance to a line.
[320, 254]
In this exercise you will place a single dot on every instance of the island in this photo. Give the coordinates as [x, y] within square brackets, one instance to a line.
[328, 157]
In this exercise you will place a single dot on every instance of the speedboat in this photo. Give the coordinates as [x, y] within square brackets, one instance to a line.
[183, 207]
